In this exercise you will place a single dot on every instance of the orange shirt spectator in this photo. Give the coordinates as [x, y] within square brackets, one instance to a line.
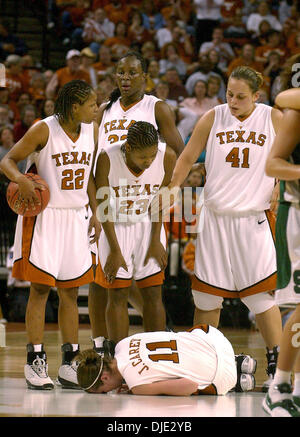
[116, 11]
[105, 61]
[180, 8]
[247, 58]
[66, 74]
[15, 80]
[273, 44]
[120, 37]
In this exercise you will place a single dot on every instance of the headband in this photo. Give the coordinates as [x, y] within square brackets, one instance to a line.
[101, 367]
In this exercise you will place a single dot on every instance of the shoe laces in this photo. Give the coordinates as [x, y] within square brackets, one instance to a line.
[40, 367]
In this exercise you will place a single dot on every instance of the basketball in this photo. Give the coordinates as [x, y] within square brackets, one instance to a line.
[12, 196]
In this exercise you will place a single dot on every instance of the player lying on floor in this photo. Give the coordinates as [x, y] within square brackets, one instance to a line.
[199, 361]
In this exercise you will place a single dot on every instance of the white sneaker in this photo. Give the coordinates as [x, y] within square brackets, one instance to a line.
[279, 402]
[245, 364]
[67, 376]
[245, 382]
[36, 375]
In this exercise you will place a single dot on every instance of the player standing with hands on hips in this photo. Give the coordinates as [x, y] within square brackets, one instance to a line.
[53, 248]
[235, 252]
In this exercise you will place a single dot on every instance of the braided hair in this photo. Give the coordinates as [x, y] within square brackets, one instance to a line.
[75, 91]
[116, 92]
[141, 135]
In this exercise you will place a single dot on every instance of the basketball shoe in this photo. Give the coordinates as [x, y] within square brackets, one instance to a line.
[107, 348]
[36, 370]
[246, 367]
[67, 373]
[272, 356]
[279, 402]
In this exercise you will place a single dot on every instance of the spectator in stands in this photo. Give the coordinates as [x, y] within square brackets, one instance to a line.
[199, 103]
[64, 75]
[181, 9]
[152, 18]
[228, 11]
[15, 80]
[120, 39]
[259, 38]
[214, 57]
[208, 16]
[183, 42]
[217, 43]
[88, 58]
[273, 66]
[236, 33]
[29, 68]
[262, 13]
[162, 90]
[247, 57]
[153, 76]
[5, 115]
[170, 58]
[177, 90]
[203, 70]
[72, 18]
[296, 46]
[149, 51]
[274, 44]
[37, 90]
[117, 11]
[292, 37]
[97, 29]
[10, 44]
[6, 143]
[48, 75]
[164, 34]
[136, 31]
[105, 63]
[47, 108]
[213, 89]
[28, 116]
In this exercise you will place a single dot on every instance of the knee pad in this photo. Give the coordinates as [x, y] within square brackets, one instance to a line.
[259, 303]
[206, 302]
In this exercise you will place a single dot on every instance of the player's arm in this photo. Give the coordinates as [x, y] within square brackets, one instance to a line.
[285, 142]
[193, 149]
[91, 190]
[288, 99]
[100, 113]
[115, 259]
[33, 141]
[171, 387]
[167, 128]
[156, 250]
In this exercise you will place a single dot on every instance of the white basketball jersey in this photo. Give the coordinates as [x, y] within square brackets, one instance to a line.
[235, 161]
[153, 356]
[131, 194]
[65, 165]
[117, 120]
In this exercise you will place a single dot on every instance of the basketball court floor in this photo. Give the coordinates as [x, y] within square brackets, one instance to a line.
[18, 401]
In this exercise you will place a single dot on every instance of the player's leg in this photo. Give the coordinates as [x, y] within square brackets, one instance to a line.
[135, 298]
[117, 314]
[97, 302]
[153, 309]
[211, 317]
[36, 368]
[279, 401]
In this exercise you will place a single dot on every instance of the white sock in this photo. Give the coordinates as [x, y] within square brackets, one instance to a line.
[75, 347]
[37, 347]
[296, 391]
[99, 341]
[281, 376]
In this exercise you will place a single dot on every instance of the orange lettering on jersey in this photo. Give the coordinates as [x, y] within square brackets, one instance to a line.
[136, 190]
[65, 156]
[113, 125]
[220, 136]
[251, 138]
[240, 138]
[105, 127]
[83, 159]
[229, 136]
[144, 368]
[146, 190]
[261, 140]
[116, 190]
[155, 189]
[56, 157]
[130, 124]
[125, 189]
[75, 158]
[121, 124]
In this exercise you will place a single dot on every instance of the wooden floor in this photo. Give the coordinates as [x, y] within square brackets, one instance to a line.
[17, 401]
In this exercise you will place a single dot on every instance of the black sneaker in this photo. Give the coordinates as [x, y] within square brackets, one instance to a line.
[284, 405]
[272, 357]
[245, 382]
[108, 348]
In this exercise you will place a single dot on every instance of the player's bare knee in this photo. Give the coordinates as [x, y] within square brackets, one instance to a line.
[39, 290]
[206, 302]
[118, 296]
[259, 303]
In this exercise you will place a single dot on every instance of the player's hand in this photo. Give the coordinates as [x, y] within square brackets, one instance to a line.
[275, 198]
[27, 194]
[158, 252]
[113, 263]
[96, 225]
[164, 199]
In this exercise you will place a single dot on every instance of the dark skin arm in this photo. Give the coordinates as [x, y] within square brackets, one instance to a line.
[115, 259]
[91, 190]
[156, 249]
[167, 128]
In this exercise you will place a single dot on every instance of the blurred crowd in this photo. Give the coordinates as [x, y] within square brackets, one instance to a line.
[191, 46]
